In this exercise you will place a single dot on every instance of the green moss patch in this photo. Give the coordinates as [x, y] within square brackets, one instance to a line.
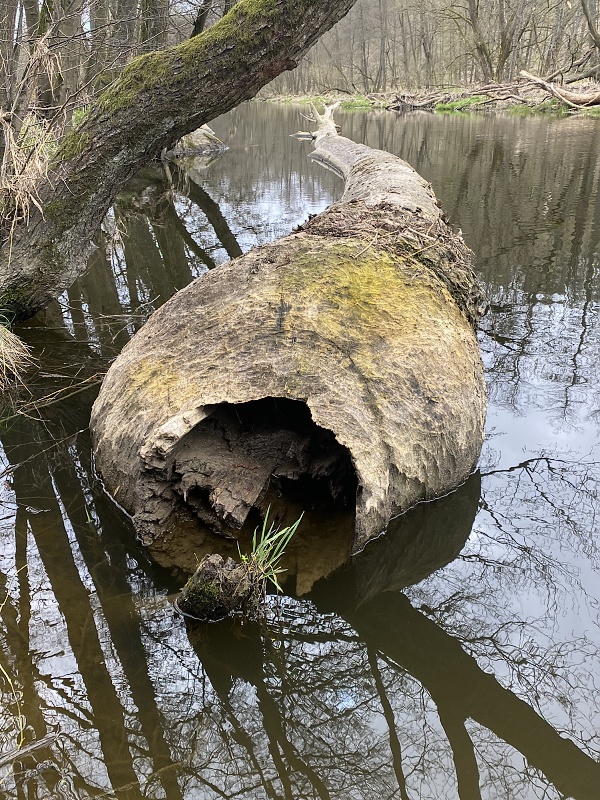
[461, 104]
[357, 102]
[550, 107]
[239, 30]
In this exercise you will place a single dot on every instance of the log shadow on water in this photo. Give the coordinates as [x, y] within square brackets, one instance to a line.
[393, 639]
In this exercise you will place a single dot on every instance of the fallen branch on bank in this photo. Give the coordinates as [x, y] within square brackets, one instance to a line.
[525, 91]
[468, 99]
[339, 363]
[569, 98]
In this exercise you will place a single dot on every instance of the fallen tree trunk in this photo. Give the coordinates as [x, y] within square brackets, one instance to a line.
[341, 359]
[569, 98]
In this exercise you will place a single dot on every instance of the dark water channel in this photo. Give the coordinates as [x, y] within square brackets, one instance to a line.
[458, 655]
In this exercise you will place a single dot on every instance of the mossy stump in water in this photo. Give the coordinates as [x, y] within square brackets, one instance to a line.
[217, 588]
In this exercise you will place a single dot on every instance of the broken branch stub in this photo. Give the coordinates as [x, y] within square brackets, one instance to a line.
[341, 358]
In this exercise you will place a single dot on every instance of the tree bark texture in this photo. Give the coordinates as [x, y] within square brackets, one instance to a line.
[364, 316]
[158, 98]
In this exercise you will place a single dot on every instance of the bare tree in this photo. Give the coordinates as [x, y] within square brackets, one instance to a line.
[157, 99]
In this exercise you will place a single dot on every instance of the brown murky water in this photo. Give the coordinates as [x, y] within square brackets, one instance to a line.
[458, 655]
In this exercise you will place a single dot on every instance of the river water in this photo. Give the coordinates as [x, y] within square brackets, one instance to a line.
[458, 655]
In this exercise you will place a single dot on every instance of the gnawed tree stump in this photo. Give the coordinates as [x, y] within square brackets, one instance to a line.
[341, 359]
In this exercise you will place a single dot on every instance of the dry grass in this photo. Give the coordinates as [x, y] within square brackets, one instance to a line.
[24, 166]
[29, 142]
[15, 359]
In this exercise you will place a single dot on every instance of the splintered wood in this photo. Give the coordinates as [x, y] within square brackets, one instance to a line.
[225, 465]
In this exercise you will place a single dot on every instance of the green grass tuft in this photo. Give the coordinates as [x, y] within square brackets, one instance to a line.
[550, 107]
[461, 104]
[358, 101]
[268, 548]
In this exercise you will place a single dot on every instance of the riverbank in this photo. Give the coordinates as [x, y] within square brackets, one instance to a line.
[522, 97]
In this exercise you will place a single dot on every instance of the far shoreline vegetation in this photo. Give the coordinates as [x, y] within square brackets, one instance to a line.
[522, 99]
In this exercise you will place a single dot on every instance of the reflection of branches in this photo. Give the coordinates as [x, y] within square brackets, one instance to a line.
[168, 211]
[205, 203]
[550, 361]
[388, 713]
[452, 676]
[534, 519]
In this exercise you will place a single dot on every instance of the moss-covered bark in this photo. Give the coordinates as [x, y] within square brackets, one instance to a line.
[159, 97]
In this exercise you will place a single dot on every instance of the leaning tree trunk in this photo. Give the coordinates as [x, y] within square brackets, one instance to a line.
[341, 359]
[159, 97]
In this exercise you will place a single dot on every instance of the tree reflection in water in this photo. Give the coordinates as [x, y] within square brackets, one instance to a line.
[456, 656]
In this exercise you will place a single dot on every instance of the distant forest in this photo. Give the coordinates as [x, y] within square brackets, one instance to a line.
[416, 44]
[64, 51]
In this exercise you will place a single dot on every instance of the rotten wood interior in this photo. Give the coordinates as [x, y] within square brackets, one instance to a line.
[228, 462]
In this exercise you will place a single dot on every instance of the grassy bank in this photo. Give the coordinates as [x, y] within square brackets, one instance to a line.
[520, 99]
